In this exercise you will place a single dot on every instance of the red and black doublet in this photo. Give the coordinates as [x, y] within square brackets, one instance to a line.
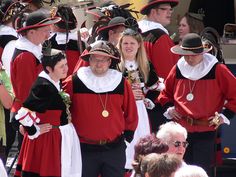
[25, 68]
[102, 136]
[158, 43]
[210, 94]
[42, 155]
[86, 110]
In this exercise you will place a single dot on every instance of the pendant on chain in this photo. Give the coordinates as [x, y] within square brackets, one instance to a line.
[105, 113]
[190, 97]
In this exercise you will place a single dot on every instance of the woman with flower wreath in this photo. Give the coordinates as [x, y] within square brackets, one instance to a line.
[51, 146]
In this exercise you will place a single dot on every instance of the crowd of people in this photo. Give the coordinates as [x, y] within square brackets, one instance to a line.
[119, 99]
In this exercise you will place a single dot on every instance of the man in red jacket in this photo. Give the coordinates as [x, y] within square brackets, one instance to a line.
[103, 111]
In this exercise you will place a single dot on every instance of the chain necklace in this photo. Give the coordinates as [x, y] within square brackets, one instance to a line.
[105, 113]
[190, 95]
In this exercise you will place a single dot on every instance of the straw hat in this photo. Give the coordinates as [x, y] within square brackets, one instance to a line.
[102, 48]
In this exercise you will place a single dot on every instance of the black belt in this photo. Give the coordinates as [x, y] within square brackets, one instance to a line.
[55, 126]
[101, 145]
[100, 142]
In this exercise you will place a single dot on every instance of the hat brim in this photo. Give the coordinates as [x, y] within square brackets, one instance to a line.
[145, 9]
[48, 21]
[179, 51]
[95, 12]
[107, 28]
[86, 55]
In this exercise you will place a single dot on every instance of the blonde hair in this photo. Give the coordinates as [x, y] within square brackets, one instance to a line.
[141, 56]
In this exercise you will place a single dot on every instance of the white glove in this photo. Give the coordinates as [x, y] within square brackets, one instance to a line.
[26, 117]
[149, 104]
[158, 86]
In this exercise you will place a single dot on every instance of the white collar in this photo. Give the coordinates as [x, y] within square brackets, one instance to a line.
[131, 65]
[24, 44]
[8, 30]
[44, 75]
[198, 71]
[61, 37]
[97, 84]
[146, 25]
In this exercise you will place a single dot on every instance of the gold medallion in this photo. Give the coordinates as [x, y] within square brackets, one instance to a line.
[105, 113]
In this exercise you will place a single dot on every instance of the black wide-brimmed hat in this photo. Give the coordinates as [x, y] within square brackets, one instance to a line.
[114, 22]
[68, 20]
[9, 9]
[191, 45]
[153, 3]
[102, 48]
[37, 20]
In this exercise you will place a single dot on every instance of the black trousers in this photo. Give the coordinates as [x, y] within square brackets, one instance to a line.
[10, 137]
[105, 161]
[201, 150]
[156, 118]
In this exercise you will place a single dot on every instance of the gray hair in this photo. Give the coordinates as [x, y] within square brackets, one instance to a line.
[168, 130]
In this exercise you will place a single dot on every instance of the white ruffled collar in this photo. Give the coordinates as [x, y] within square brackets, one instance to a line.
[97, 84]
[198, 71]
[146, 25]
[24, 44]
[7, 30]
[61, 37]
[44, 75]
[131, 65]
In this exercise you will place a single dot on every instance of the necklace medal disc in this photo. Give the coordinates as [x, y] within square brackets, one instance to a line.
[189, 97]
[105, 113]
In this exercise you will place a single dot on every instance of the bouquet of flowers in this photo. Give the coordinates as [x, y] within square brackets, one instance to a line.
[66, 99]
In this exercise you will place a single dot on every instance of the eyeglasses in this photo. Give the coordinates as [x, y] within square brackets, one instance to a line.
[178, 144]
[166, 9]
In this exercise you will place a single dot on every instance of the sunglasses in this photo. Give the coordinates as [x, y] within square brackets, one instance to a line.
[178, 144]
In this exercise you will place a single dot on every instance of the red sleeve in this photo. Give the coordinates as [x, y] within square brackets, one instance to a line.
[80, 63]
[24, 72]
[161, 56]
[72, 60]
[68, 86]
[167, 95]
[130, 109]
[227, 83]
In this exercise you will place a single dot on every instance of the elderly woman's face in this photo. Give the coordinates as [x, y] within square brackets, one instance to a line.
[178, 145]
[99, 64]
